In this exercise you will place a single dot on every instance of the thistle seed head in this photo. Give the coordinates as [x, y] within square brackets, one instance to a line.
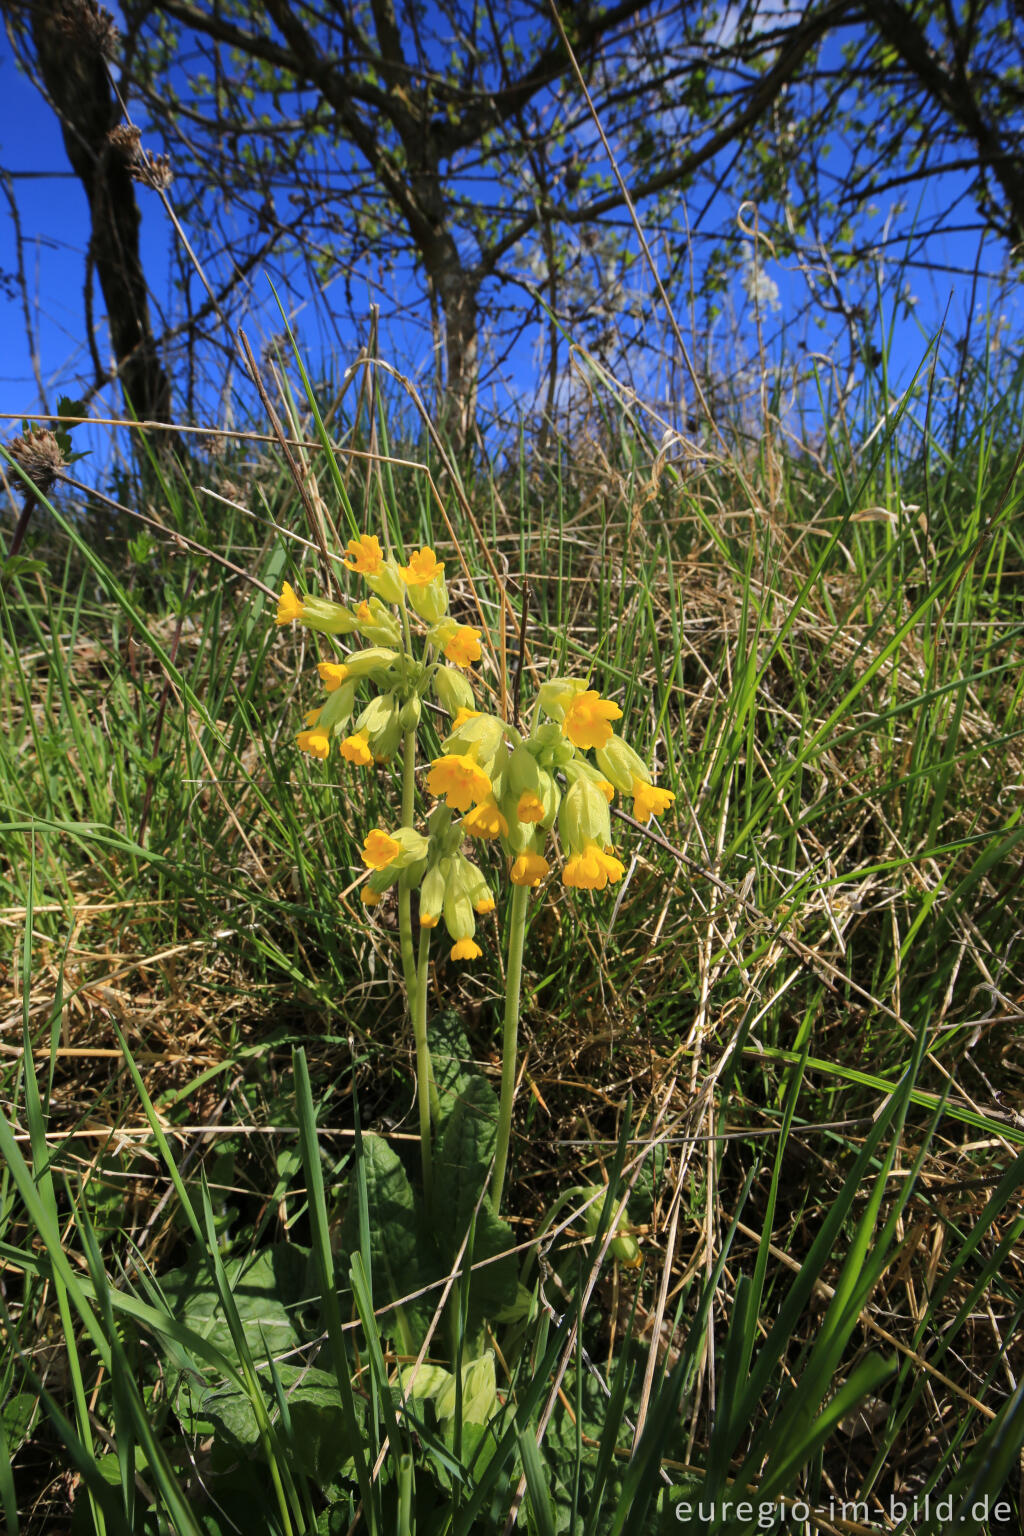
[37, 452]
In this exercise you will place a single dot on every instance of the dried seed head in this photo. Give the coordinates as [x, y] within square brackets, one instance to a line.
[152, 170]
[90, 26]
[126, 140]
[37, 452]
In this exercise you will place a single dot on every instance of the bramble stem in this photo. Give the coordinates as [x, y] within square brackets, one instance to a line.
[510, 1036]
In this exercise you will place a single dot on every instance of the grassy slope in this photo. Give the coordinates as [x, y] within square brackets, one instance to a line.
[823, 656]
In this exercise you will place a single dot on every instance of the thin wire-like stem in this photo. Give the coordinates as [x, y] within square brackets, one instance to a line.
[510, 1036]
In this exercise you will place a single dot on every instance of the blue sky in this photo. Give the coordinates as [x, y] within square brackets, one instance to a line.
[54, 228]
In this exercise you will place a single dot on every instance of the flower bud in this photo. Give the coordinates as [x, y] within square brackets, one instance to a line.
[376, 623]
[367, 663]
[621, 765]
[484, 900]
[584, 817]
[381, 719]
[458, 909]
[479, 1393]
[430, 601]
[545, 738]
[624, 1245]
[485, 734]
[409, 714]
[386, 582]
[328, 618]
[380, 881]
[452, 690]
[467, 879]
[413, 847]
[557, 694]
[337, 709]
[439, 821]
[522, 772]
[432, 893]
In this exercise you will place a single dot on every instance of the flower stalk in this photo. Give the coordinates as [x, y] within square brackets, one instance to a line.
[510, 1038]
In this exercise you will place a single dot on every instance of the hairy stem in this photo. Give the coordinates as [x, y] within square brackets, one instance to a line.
[510, 1037]
[426, 1090]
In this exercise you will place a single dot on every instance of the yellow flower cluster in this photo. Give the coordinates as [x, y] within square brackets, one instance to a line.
[507, 785]
[492, 782]
[379, 728]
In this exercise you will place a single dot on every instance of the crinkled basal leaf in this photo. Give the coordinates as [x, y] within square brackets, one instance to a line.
[451, 1059]
[318, 1428]
[266, 1288]
[318, 1423]
[395, 1260]
[463, 1160]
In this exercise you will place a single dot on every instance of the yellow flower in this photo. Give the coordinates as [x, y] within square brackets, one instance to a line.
[463, 648]
[289, 606]
[608, 790]
[460, 779]
[313, 742]
[463, 715]
[356, 749]
[649, 800]
[592, 869]
[530, 807]
[529, 869]
[367, 555]
[311, 717]
[485, 820]
[368, 896]
[484, 905]
[332, 674]
[588, 718]
[380, 850]
[363, 614]
[466, 949]
[423, 567]
[613, 867]
[429, 919]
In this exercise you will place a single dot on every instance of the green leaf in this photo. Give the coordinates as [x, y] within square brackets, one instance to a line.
[20, 565]
[395, 1255]
[318, 1441]
[267, 1288]
[536, 1484]
[451, 1059]
[18, 1415]
[68, 407]
[463, 1161]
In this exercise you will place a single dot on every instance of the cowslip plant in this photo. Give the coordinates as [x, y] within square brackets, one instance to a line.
[540, 794]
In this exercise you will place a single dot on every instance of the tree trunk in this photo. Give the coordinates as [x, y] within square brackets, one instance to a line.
[67, 38]
[457, 292]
